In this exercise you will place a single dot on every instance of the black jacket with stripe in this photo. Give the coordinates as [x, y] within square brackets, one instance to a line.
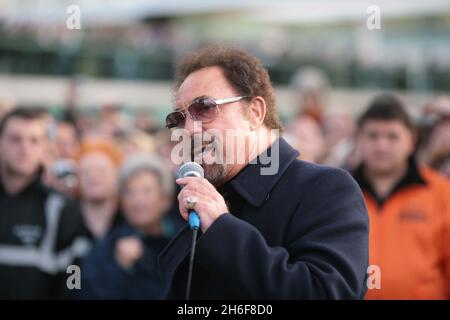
[41, 234]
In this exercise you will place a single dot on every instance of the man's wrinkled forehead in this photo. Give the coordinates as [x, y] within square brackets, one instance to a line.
[209, 81]
[24, 125]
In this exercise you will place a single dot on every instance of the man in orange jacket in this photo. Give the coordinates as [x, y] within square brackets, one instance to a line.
[409, 208]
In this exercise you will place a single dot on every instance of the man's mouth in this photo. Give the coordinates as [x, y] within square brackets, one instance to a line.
[199, 150]
[202, 148]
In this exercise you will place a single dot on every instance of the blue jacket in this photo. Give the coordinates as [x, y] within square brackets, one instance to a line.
[103, 278]
[301, 233]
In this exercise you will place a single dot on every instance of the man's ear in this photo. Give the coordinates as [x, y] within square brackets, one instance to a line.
[414, 139]
[256, 112]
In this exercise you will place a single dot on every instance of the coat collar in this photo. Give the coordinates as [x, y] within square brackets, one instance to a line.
[258, 178]
[36, 185]
[412, 177]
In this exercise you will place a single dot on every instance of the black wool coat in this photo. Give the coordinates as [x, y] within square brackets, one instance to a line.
[301, 233]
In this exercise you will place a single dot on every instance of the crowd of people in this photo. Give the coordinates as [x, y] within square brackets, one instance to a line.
[109, 194]
[100, 192]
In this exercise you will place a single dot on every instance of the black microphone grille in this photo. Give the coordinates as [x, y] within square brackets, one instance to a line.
[191, 169]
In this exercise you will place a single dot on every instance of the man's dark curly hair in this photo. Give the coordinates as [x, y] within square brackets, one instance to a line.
[244, 72]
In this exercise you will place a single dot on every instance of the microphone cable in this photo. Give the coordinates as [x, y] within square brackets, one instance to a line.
[194, 223]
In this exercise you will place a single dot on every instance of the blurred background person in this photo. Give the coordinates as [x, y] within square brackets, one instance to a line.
[113, 121]
[146, 123]
[338, 130]
[135, 141]
[98, 162]
[62, 167]
[67, 139]
[124, 264]
[321, 134]
[305, 134]
[311, 86]
[41, 231]
[408, 204]
[434, 148]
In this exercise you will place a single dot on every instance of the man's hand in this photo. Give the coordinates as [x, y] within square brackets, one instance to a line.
[128, 251]
[210, 203]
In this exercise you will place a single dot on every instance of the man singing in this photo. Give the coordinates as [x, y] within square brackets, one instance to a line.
[278, 229]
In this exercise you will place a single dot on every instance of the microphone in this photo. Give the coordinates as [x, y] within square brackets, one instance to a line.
[192, 169]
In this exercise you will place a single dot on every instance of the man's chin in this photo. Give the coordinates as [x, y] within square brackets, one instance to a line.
[383, 170]
[22, 171]
[215, 173]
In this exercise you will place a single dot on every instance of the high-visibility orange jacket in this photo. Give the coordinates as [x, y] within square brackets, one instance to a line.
[410, 236]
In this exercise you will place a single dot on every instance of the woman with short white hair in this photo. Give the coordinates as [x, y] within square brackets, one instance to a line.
[124, 264]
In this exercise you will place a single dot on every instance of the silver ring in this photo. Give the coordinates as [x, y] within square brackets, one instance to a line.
[191, 201]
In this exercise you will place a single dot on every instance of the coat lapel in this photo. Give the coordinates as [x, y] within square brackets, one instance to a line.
[171, 257]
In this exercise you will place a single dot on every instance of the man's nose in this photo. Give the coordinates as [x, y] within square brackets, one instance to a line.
[383, 144]
[25, 146]
[192, 126]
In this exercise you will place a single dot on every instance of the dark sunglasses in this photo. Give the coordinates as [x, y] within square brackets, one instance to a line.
[203, 109]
